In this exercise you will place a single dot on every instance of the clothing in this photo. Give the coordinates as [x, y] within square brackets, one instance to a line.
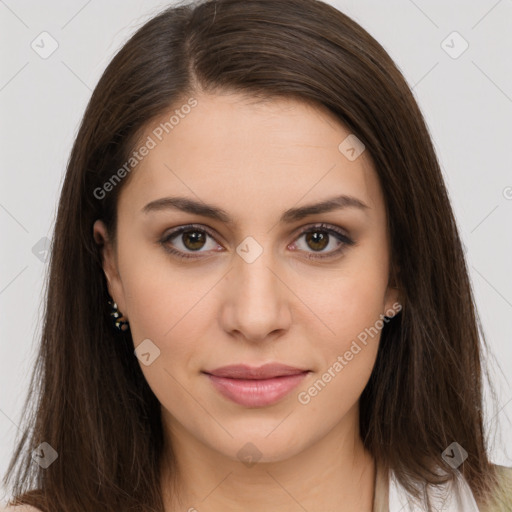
[19, 508]
[454, 496]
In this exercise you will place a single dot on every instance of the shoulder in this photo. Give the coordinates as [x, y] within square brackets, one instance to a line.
[502, 497]
[505, 483]
[457, 494]
[505, 474]
[18, 508]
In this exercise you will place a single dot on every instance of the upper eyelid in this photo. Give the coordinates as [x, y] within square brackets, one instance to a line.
[300, 231]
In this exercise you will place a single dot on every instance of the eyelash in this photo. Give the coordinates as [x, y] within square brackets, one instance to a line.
[329, 229]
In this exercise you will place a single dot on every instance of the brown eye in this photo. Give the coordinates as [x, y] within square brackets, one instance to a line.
[320, 237]
[184, 241]
[317, 240]
[193, 240]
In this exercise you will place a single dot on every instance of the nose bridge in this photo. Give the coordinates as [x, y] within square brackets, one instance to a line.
[257, 304]
[253, 271]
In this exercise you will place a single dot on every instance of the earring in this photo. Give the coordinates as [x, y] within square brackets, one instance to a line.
[120, 322]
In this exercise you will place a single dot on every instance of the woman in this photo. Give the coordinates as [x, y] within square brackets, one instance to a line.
[257, 296]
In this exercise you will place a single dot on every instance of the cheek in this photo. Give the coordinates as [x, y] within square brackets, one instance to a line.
[174, 315]
[169, 311]
[168, 306]
[351, 307]
[345, 356]
[158, 294]
[353, 300]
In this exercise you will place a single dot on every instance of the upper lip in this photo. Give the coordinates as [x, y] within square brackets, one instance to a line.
[266, 371]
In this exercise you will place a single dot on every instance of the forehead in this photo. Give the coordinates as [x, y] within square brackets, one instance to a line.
[248, 154]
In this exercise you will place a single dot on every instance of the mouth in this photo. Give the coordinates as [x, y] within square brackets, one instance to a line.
[256, 386]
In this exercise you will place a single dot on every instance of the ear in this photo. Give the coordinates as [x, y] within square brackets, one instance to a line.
[392, 298]
[109, 263]
[392, 304]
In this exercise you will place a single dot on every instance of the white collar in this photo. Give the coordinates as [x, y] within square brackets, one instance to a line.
[450, 497]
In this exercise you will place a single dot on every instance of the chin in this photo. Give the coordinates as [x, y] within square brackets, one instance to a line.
[267, 445]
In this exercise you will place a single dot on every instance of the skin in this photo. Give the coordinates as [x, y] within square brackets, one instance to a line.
[255, 160]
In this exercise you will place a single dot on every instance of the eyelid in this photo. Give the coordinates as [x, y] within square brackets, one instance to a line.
[339, 233]
[179, 230]
[323, 226]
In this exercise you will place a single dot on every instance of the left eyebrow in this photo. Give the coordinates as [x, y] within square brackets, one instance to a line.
[329, 205]
[214, 212]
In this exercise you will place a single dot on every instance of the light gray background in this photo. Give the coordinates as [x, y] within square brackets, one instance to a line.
[467, 102]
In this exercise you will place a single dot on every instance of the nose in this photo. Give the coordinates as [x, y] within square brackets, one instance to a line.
[256, 300]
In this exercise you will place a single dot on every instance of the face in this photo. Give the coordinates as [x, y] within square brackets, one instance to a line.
[263, 281]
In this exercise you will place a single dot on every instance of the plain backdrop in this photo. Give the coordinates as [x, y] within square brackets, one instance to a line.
[462, 81]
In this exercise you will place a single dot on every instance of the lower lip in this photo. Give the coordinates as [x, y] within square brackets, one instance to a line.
[256, 392]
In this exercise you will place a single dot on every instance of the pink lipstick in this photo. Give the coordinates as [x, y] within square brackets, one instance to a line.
[256, 386]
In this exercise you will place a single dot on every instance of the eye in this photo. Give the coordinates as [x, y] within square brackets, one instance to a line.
[194, 238]
[320, 237]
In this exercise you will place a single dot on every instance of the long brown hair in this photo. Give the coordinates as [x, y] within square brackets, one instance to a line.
[88, 398]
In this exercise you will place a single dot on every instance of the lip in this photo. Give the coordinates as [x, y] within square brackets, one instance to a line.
[256, 386]
[266, 371]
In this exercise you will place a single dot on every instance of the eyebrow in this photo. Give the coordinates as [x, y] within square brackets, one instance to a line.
[188, 205]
